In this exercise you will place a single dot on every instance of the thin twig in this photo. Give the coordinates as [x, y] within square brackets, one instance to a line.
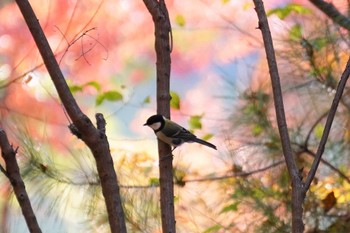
[328, 125]
[12, 171]
[237, 174]
[306, 143]
[331, 166]
[20, 77]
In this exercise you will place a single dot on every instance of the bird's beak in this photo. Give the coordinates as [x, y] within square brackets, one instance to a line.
[145, 124]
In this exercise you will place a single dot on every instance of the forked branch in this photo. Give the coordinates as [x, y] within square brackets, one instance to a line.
[94, 138]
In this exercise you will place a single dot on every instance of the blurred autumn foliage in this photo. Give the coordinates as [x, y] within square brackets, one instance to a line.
[106, 52]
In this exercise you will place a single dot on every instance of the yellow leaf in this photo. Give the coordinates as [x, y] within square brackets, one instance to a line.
[180, 20]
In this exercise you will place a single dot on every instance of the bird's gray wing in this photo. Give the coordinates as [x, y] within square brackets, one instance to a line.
[176, 131]
[179, 135]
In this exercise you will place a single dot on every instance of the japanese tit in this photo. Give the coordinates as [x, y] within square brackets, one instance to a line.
[172, 133]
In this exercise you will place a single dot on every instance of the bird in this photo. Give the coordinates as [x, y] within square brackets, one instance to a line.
[172, 133]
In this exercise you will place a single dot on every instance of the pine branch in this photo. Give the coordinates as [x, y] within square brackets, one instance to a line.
[12, 172]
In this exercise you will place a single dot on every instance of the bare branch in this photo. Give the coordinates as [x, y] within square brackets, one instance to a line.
[236, 174]
[6, 84]
[277, 91]
[297, 186]
[331, 166]
[163, 47]
[332, 12]
[12, 171]
[328, 125]
[92, 137]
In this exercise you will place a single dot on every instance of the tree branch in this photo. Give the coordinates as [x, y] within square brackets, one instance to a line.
[329, 165]
[297, 185]
[236, 174]
[328, 125]
[306, 143]
[3, 170]
[333, 13]
[12, 172]
[277, 91]
[163, 48]
[95, 139]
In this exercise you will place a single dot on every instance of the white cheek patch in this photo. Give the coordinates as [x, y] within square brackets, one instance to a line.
[155, 126]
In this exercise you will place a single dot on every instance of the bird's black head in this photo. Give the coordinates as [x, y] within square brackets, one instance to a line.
[154, 119]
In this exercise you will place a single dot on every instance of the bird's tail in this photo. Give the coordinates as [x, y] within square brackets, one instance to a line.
[204, 143]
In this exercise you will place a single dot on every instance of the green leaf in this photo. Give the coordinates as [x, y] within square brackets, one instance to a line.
[283, 179]
[175, 100]
[147, 100]
[75, 88]
[179, 177]
[110, 96]
[94, 84]
[113, 96]
[295, 32]
[154, 181]
[280, 12]
[300, 9]
[318, 131]
[195, 122]
[319, 43]
[99, 100]
[214, 228]
[260, 193]
[180, 20]
[283, 12]
[207, 136]
[239, 194]
[231, 207]
[273, 143]
[257, 130]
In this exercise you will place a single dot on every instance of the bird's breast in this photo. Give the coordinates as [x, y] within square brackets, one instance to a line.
[165, 139]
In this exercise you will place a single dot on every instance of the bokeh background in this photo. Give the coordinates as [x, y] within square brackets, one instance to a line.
[221, 91]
